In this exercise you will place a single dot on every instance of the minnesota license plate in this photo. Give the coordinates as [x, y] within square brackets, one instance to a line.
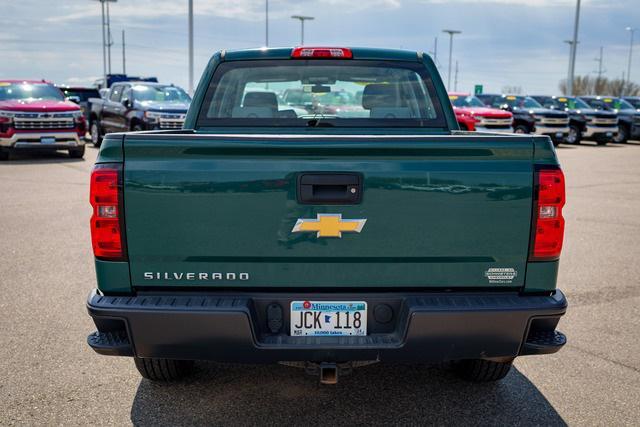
[47, 140]
[328, 318]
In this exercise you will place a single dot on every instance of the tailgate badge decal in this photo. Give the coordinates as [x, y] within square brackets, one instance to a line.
[329, 225]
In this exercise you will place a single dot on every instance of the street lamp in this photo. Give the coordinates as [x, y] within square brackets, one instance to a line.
[631, 30]
[570, 78]
[105, 22]
[302, 19]
[451, 34]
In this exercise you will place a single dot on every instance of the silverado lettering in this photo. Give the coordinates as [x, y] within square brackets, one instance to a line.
[148, 275]
[284, 155]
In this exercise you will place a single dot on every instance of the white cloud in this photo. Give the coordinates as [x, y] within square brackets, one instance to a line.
[244, 10]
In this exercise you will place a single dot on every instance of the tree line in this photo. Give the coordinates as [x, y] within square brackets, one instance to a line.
[589, 85]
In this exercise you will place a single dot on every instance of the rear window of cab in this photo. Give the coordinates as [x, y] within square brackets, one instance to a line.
[327, 92]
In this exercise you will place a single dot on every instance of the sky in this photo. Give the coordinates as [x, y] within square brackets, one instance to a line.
[517, 43]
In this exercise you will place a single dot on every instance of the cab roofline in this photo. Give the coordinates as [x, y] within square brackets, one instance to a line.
[364, 53]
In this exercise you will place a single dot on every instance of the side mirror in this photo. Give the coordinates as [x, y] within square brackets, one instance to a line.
[127, 103]
[74, 99]
[506, 107]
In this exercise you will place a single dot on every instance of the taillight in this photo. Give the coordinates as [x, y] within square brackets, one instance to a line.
[321, 52]
[106, 222]
[548, 223]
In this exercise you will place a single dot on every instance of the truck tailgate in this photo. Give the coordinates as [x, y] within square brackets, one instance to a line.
[441, 211]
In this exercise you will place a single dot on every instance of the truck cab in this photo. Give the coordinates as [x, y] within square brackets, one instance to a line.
[325, 240]
[584, 122]
[36, 115]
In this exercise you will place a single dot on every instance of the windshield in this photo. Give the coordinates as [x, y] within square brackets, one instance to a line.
[29, 91]
[159, 93]
[610, 104]
[321, 93]
[634, 101]
[565, 103]
[465, 101]
[516, 101]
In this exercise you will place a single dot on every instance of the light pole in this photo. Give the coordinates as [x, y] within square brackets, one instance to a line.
[104, 38]
[302, 19]
[569, 73]
[574, 48]
[631, 30]
[451, 34]
[266, 23]
[191, 47]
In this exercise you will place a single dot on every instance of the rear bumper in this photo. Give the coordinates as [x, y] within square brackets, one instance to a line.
[425, 327]
[63, 140]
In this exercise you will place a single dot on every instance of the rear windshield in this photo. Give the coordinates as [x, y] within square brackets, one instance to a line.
[341, 93]
[83, 94]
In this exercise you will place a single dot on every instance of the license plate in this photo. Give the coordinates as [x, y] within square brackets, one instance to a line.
[47, 140]
[609, 134]
[328, 318]
[559, 135]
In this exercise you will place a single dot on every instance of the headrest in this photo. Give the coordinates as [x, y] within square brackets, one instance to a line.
[260, 99]
[379, 95]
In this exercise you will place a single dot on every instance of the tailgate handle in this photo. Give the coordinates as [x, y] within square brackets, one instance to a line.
[330, 188]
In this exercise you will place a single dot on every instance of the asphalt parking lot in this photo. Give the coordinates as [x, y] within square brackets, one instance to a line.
[50, 376]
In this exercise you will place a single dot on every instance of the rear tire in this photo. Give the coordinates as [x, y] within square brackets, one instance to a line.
[479, 370]
[164, 370]
[77, 153]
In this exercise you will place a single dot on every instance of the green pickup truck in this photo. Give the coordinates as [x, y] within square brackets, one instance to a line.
[325, 236]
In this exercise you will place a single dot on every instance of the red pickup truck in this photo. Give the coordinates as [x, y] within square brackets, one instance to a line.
[36, 115]
[473, 115]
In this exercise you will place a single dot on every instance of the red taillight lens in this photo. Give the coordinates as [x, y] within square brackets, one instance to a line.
[106, 200]
[548, 221]
[321, 52]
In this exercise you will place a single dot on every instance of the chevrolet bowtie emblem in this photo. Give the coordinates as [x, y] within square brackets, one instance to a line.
[329, 225]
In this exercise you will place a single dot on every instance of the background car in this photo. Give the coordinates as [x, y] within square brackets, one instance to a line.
[35, 115]
[584, 121]
[554, 124]
[473, 115]
[135, 106]
[523, 120]
[628, 116]
[81, 96]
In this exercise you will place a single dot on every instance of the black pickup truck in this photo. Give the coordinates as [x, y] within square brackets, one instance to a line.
[135, 106]
[584, 121]
[628, 116]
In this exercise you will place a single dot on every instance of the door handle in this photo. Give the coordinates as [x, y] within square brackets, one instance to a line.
[330, 188]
